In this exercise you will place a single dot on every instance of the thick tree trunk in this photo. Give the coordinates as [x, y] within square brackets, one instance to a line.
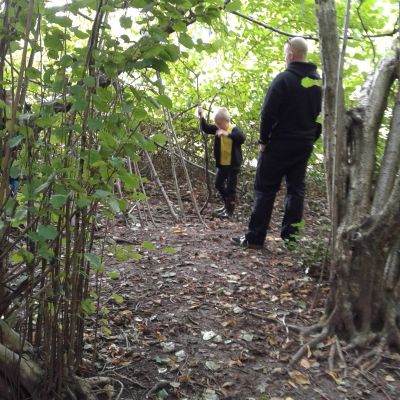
[364, 301]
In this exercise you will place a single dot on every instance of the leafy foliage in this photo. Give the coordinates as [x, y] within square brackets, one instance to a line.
[86, 99]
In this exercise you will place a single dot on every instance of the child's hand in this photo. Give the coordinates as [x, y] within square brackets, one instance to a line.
[222, 132]
[200, 111]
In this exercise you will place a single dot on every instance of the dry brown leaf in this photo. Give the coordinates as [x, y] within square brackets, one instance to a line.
[335, 377]
[233, 363]
[184, 379]
[109, 391]
[299, 378]
[178, 230]
[160, 337]
[305, 363]
[229, 322]
[120, 361]
[291, 383]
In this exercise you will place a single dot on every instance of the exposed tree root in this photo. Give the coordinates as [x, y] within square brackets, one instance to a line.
[369, 360]
[29, 373]
[84, 387]
[309, 345]
[336, 350]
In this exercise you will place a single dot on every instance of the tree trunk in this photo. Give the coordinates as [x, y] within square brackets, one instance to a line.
[363, 304]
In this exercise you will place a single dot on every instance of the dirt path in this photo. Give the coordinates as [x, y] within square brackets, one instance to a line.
[199, 318]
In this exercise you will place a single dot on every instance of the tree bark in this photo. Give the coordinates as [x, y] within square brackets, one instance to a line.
[365, 265]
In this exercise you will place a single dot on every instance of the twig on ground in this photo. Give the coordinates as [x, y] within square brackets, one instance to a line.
[121, 390]
[130, 380]
[158, 386]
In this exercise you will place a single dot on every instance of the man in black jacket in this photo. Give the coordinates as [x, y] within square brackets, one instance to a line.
[228, 157]
[288, 131]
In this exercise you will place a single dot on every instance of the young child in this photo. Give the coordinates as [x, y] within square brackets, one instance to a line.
[228, 156]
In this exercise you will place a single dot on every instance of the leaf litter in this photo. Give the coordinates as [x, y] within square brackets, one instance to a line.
[209, 321]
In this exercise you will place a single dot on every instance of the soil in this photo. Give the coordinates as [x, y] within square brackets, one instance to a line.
[192, 316]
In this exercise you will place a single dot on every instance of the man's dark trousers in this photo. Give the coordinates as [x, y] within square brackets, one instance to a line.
[281, 159]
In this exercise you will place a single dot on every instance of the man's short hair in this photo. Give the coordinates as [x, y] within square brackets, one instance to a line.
[222, 114]
[299, 46]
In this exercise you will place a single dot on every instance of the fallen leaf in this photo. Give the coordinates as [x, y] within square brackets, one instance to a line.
[335, 377]
[228, 322]
[305, 363]
[210, 394]
[248, 337]
[299, 378]
[208, 335]
[212, 366]
[168, 347]
[180, 355]
[184, 379]
[389, 378]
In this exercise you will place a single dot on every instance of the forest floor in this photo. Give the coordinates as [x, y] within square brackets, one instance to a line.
[191, 316]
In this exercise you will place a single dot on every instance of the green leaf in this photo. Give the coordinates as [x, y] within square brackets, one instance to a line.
[126, 22]
[58, 200]
[114, 205]
[164, 100]
[160, 138]
[42, 187]
[45, 252]
[66, 61]
[15, 141]
[95, 124]
[186, 40]
[80, 34]
[107, 139]
[16, 257]
[118, 299]
[102, 194]
[63, 21]
[138, 3]
[33, 73]
[88, 306]
[15, 172]
[169, 250]
[234, 5]
[81, 203]
[139, 113]
[47, 232]
[179, 26]
[170, 52]
[90, 81]
[46, 121]
[113, 275]
[148, 245]
[135, 256]
[95, 261]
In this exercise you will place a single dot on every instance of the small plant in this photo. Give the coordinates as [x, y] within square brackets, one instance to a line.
[312, 252]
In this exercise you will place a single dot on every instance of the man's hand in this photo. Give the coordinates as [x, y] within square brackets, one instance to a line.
[263, 147]
[200, 111]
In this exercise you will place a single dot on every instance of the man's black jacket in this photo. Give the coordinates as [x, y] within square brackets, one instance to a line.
[238, 138]
[292, 105]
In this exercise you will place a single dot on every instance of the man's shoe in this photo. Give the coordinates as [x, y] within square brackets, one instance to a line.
[220, 209]
[224, 215]
[243, 242]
